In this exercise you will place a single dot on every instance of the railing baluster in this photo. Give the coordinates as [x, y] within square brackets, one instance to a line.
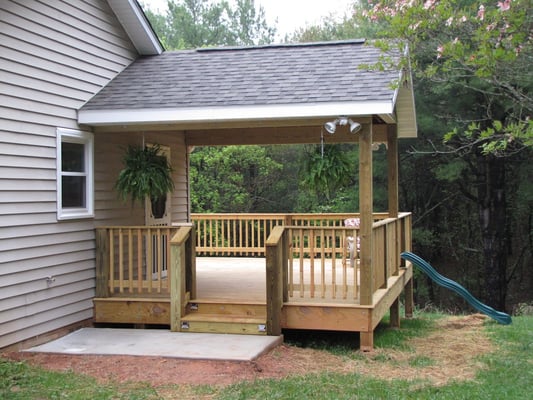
[130, 261]
[240, 237]
[159, 260]
[149, 259]
[111, 261]
[302, 287]
[312, 259]
[291, 263]
[247, 236]
[139, 261]
[333, 266]
[345, 260]
[322, 263]
[168, 254]
[120, 262]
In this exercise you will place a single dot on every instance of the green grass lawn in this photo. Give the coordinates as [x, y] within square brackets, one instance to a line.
[506, 373]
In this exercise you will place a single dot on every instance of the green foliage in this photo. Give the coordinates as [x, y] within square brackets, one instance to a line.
[20, 381]
[325, 172]
[506, 373]
[232, 178]
[483, 50]
[199, 23]
[146, 173]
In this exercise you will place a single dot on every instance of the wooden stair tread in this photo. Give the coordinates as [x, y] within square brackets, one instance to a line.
[237, 319]
[228, 302]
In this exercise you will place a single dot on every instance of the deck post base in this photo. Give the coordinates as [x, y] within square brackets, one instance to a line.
[409, 299]
[367, 341]
[395, 314]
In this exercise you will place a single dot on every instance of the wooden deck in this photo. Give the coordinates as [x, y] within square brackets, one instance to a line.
[306, 278]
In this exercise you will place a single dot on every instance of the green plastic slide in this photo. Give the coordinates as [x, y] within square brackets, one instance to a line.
[499, 316]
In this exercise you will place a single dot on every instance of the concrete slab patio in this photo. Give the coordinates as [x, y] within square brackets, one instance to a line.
[161, 343]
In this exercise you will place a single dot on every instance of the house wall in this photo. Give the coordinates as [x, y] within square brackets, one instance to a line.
[109, 151]
[55, 55]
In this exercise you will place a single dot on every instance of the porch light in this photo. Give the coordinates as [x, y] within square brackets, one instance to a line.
[331, 126]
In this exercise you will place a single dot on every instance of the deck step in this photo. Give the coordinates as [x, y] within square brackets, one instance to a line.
[227, 308]
[216, 323]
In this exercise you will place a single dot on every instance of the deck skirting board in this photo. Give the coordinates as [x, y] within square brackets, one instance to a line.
[345, 317]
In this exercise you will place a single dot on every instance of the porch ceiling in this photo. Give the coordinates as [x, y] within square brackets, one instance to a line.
[299, 85]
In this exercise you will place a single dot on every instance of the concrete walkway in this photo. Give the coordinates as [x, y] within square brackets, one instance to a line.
[161, 343]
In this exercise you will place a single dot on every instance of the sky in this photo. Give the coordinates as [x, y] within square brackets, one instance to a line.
[290, 14]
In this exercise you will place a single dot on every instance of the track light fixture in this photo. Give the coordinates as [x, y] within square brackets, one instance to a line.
[331, 126]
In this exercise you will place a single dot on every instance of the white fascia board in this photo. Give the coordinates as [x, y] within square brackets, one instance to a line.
[137, 27]
[232, 113]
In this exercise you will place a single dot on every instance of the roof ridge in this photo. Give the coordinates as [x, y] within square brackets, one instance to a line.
[281, 45]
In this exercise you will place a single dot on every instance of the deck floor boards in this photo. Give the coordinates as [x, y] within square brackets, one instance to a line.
[244, 278]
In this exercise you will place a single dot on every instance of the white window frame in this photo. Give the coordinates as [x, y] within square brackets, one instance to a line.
[87, 139]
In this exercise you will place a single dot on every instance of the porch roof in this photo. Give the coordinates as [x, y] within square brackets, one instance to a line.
[273, 82]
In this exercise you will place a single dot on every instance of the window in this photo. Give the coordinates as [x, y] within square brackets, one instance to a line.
[74, 174]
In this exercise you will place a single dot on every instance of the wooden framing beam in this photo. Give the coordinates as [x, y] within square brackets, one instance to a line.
[278, 135]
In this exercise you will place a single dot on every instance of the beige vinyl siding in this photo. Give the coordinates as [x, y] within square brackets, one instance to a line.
[54, 56]
[109, 150]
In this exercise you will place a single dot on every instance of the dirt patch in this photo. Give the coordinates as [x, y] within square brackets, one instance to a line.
[449, 353]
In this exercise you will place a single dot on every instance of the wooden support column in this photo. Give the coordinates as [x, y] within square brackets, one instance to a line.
[392, 161]
[395, 313]
[366, 208]
[409, 299]
[366, 340]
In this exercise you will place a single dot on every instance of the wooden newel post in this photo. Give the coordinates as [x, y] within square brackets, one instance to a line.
[102, 263]
[274, 279]
[178, 267]
[190, 264]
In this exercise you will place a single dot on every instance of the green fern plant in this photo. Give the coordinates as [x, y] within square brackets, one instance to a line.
[146, 173]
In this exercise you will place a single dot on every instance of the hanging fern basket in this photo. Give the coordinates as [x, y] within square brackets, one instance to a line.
[146, 173]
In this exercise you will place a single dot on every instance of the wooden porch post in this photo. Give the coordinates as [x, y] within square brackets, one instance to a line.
[366, 208]
[392, 161]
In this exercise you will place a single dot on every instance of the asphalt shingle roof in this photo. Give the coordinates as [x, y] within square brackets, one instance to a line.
[262, 75]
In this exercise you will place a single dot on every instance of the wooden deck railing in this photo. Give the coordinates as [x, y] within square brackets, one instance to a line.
[320, 264]
[324, 271]
[315, 254]
[246, 234]
[133, 260]
[391, 236]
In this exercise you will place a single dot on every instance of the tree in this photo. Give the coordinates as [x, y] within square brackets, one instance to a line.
[474, 60]
[199, 23]
[232, 179]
